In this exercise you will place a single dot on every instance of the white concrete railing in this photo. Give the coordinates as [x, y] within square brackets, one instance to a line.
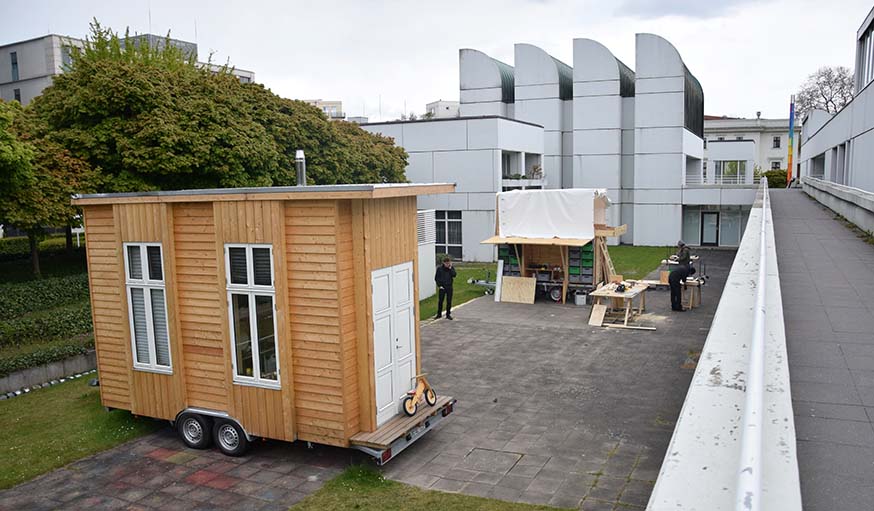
[736, 179]
[733, 446]
[854, 204]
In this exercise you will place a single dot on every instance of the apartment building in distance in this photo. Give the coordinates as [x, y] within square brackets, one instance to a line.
[333, 109]
[770, 137]
[441, 109]
[27, 67]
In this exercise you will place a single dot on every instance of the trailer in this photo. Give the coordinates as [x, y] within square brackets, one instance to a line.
[288, 313]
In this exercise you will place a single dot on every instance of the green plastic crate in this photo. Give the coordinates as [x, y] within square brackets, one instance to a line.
[574, 270]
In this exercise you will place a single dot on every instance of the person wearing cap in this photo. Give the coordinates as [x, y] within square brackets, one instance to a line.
[678, 275]
[443, 278]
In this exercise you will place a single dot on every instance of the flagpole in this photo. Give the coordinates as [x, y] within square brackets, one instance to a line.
[791, 138]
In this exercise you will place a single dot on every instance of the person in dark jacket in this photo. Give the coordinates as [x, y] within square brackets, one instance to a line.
[678, 275]
[443, 278]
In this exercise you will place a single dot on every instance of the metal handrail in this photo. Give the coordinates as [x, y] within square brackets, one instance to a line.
[748, 495]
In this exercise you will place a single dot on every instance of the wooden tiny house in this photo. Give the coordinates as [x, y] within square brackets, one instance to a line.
[289, 312]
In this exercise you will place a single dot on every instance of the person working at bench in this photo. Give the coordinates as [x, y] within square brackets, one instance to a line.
[443, 278]
[678, 275]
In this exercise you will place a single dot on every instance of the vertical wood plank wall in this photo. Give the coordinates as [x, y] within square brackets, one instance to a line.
[324, 252]
[107, 296]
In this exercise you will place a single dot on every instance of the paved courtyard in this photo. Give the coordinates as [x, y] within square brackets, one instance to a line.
[549, 411]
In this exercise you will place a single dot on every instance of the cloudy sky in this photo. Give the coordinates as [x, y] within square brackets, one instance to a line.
[749, 55]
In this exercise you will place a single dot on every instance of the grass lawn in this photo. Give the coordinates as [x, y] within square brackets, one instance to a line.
[364, 489]
[462, 291]
[636, 262]
[48, 428]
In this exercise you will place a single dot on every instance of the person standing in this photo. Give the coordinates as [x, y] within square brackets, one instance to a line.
[678, 275]
[444, 276]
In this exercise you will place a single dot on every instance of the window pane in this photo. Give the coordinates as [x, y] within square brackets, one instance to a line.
[261, 262]
[237, 256]
[439, 214]
[242, 334]
[266, 337]
[441, 232]
[141, 332]
[159, 323]
[454, 215]
[454, 233]
[154, 256]
[134, 263]
[455, 252]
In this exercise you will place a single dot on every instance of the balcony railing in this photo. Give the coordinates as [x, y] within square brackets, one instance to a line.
[732, 179]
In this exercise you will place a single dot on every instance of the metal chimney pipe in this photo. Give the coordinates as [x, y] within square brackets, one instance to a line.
[300, 167]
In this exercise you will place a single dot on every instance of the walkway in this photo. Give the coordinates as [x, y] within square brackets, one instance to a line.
[827, 281]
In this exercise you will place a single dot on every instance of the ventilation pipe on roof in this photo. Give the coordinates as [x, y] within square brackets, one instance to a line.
[300, 167]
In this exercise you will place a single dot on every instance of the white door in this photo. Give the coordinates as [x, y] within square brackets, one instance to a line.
[394, 337]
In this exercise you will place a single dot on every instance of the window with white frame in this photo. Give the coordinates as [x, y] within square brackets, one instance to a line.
[147, 307]
[776, 164]
[251, 311]
[448, 233]
[775, 144]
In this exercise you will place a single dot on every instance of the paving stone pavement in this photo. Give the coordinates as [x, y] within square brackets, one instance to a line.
[827, 284]
[550, 411]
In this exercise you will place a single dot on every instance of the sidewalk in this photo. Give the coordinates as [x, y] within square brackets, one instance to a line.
[827, 282]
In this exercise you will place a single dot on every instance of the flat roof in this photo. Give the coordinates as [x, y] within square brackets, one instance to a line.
[352, 191]
[445, 119]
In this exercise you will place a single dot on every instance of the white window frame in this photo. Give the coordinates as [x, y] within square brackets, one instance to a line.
[251, 290]
[776, 142]
[146, 284]
[446, 220]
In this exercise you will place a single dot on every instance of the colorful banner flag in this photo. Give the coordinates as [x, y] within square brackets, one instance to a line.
[791, 138]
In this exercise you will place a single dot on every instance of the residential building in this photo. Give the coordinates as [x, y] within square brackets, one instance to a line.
[27, 67]
[770, 136]
[441, 109]
[333, 109]
[839, 148]
[542, 123]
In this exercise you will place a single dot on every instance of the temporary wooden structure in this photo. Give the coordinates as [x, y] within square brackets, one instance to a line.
[287, 313]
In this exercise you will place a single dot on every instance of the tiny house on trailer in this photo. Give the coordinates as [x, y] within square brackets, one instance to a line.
[284, 313]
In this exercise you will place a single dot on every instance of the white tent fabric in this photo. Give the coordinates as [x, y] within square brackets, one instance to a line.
[568, 213]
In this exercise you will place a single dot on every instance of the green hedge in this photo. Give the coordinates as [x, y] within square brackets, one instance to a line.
[52, 324]
[19, 248]
[40, 354]
[776, 178]
[36, 295]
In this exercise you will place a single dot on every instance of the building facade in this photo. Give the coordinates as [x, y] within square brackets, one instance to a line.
[770, 136]
[333, 109]
[839, 148]
[28, 67]
[441, 109]
[542, 123]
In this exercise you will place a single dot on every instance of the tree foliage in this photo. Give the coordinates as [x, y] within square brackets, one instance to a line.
[152, 119]
[828, 89]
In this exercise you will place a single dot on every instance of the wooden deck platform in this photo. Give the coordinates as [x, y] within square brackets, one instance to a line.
[383, 436]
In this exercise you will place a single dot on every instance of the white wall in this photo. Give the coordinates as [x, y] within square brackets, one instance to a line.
[480, 85]
[427, 267]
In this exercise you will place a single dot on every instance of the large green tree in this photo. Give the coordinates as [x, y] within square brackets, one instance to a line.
[152, 119]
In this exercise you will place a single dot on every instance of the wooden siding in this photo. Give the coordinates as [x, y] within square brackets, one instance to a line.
[199, 297]
[153, 394]
[107, 294]
[348, 333]
[311, 230]
[262, 412]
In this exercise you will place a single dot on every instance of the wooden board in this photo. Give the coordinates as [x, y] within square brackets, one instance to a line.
[382, 437]
[597, 317]
[518, 289]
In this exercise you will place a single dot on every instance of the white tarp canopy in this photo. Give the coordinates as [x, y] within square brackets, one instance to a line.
[569, 213]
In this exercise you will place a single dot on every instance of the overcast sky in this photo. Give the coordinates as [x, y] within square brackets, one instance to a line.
[748, 55]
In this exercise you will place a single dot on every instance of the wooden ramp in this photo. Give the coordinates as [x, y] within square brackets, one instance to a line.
[399, 426]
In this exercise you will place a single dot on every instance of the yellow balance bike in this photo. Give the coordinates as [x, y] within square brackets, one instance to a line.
[422, 391]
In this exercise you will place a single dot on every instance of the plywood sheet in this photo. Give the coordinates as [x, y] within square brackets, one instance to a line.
[518, 289]
[597, 317]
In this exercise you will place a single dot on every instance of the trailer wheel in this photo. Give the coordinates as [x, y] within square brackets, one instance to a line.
[410, 405]
[195, 430]
[230, 438]
[555, 293]
[430, 397]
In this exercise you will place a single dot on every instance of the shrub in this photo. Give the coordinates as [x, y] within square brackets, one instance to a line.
[35, 295]
[776, 178]
[41, 354]
[19, 248]
[53, 324]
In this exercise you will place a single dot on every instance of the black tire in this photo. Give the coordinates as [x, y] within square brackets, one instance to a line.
[230, 438]
[409, 402]
[195, 430]
[555, 294]
[430, 397]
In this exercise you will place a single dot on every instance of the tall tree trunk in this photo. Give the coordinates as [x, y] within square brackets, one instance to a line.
[34, 252]
[68, 231]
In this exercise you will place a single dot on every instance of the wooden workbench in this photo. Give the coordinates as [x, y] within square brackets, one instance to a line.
[626, 299]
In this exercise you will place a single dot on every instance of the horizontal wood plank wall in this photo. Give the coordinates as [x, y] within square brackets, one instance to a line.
[311, 251]
[207, 383]
[103, 252]
[363, 315]
[154, 395]
[259, 410]
[348, 333]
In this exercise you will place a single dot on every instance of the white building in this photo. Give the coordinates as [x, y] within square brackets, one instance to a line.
[332, 108]
[770, 136]
[28, 67]
[598, 124]
[839, 148]
[441, 109]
